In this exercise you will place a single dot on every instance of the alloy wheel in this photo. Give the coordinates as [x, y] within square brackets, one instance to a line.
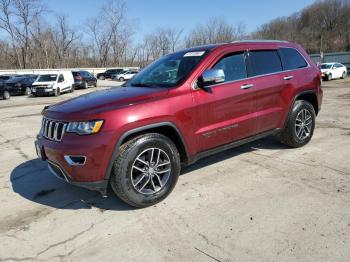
[303, 124]
[150, 171]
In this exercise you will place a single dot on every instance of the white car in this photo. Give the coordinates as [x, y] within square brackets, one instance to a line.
[53, 83]
[126, 75]
[333, 70]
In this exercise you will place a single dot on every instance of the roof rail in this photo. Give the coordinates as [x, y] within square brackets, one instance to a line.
[259, 41]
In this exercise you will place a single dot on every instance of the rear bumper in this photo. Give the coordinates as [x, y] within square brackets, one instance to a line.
[79, 84]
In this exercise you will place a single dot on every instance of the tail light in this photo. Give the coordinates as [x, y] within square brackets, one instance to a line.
[78, 78]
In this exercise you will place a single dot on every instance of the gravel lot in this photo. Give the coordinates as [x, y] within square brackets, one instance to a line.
[258, 202]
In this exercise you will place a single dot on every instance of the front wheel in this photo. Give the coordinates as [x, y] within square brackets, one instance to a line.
[121, 79]
[6, 95]
[57, 92]
[300, 125]
[329, 77]
[146, 170]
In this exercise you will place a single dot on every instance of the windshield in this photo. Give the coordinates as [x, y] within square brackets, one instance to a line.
[168, 71]
[47, 78]
[326, 66]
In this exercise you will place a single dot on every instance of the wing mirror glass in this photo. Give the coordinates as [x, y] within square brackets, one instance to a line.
[211, 77]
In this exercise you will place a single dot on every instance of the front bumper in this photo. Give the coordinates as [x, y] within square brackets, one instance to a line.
[42, 91]
[92, 173]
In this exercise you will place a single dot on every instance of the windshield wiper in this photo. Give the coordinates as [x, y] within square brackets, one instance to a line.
[142, 85]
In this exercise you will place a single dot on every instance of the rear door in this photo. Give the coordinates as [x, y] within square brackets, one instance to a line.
[225, 111]
[265, 69]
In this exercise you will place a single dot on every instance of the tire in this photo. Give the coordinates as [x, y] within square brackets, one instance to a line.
[95, 84]
[297, 132]
[121, 79]
[72, 89]
[28, 91]
[101, 78]
[329, 77]
[343, 75]
[142, 189]
[57, 92]
[6, 95]
[86, 86]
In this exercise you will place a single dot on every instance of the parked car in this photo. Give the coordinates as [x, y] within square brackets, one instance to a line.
[4, 92]
[21, 84]
[6, 77]
[127, 75]
[333, 70]
[114, 76]
[53, 84]
[108, 73]
[84, 79]
[137, 137]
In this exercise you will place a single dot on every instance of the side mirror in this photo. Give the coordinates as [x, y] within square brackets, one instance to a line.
[211, 77]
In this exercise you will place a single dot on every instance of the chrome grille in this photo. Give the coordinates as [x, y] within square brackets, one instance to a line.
[53, 130]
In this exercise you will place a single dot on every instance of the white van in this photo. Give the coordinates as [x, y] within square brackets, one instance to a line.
[53, 83]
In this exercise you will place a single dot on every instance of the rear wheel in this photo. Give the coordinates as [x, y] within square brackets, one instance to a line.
[86, 86]
[27, 92]
[329, 77]
[121, 79]
[146, 170]
[300, 125]
[6, 95]
[101, 77]
[343, 75]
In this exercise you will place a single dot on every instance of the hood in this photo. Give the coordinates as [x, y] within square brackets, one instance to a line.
[104, 100]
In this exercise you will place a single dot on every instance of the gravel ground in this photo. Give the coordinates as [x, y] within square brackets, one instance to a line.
[258, 202]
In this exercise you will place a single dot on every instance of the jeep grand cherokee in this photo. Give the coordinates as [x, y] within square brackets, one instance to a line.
[184, 106]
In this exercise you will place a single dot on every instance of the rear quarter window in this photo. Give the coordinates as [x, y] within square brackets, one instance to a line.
[261, 62]
[291, 59]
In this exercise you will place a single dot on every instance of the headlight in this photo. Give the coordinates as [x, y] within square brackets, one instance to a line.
[50, 85]
[85, 128]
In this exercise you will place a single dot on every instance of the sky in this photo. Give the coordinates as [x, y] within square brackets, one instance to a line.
[147, 15]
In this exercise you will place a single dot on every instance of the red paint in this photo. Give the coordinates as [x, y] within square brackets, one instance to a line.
[204, 119]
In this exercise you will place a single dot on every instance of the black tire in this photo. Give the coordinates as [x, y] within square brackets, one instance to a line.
[101, 77]
[121, 176]
[121, 79]
[6, 95]
[86, 86]
[343, 75]
[289, 134]
[28, 91]
[57, 92]
[329, 77]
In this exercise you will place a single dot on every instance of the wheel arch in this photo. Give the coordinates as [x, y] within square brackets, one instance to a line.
[309, 96]
[167, 129]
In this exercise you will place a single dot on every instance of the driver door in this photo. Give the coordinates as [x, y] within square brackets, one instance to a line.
[225, 111]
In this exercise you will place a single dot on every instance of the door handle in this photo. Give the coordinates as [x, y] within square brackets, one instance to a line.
[288, 77]
[246, 86]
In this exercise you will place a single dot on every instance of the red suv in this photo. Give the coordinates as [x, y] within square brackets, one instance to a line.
[184, 106]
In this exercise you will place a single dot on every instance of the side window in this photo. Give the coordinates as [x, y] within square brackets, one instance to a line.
[233, 66]
[261, 62]
[291, 59]
[60, 78]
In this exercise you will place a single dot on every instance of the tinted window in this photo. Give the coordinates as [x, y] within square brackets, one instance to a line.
[233, 66]
[75, 73]
[291, 59]
[60, 78]
[264, 62]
